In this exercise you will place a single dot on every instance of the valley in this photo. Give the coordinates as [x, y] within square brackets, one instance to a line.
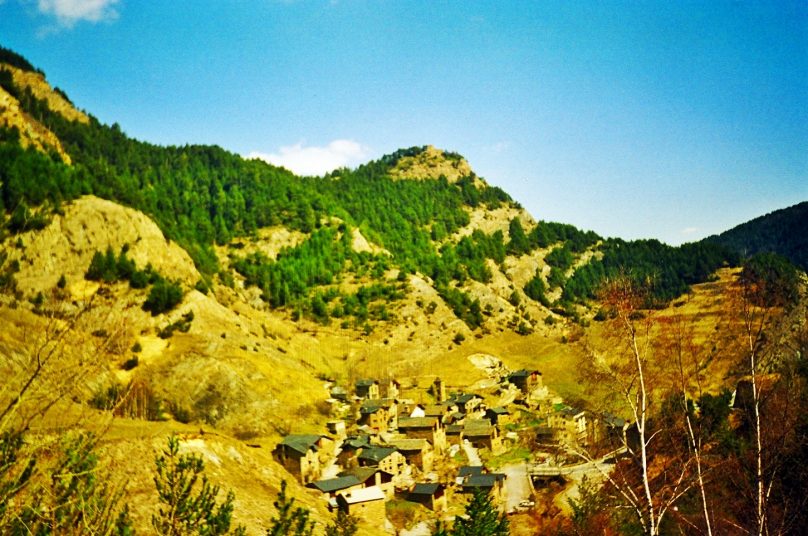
[385, 341]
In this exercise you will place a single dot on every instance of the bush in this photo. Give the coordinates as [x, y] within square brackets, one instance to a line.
[163, 296]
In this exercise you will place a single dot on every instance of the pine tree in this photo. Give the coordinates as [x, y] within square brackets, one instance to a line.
[343, 525]
[481, 519]
[290, 520]
[183, 511]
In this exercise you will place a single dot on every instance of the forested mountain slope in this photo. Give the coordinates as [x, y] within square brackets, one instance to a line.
[782, 231]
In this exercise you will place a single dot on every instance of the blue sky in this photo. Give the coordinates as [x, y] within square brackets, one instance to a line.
[668, 120]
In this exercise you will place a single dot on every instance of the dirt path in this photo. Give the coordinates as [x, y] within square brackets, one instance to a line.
[471, 453]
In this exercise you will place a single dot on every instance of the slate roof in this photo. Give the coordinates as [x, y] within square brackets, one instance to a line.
[417, 422]
[365, 383]
[362, 474]
[425, 489]
[522, 373]
[406, 445]
[376, 454]
[568, 411]
[301, 442]
[483, 481]
[470, 470]
[336, 484]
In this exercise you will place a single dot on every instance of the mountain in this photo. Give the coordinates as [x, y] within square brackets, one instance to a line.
[220, 297]
[781, 232]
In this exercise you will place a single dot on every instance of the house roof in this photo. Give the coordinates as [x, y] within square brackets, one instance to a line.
[425, 489]
[336, 484]
[376, 454]
[569, 411]
[470, 470]
[406, 445]
[358, 442]
[522, 373]
[365, 383]
[463, 398]
[613, 420]
[477, 423]
[479, 431]
[417, 422]
[362, 474]
[339, 390]
[483, 481]
[301, 442]
[371, 493]
[499, 410]
[454, 429]
[435, 410]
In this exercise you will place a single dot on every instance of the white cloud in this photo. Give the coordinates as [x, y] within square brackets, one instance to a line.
[689, 230]
[68, 12]
[312, 160]
[500, 147]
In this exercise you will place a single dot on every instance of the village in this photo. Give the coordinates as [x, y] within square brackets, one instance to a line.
[414, 454]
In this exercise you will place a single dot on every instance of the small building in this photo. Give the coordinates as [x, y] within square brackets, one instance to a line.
[336, 429]
[367, 503]
[367, 388]
[339, 393]
[498, 416]
[439, 411]
[430, 495]
[378, 414]
[428, 428]
[388, 459]
[330, 487]
[481, 434]
[453, 432]
[300, 455]
[467, 403]
[372, 476]
[569, 424]
[467, 471]
[418, 410]
[490, 482]
[417, 452]
[526, 380]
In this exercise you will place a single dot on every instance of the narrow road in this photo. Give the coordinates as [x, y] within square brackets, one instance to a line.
[517, 485]
[471, 453]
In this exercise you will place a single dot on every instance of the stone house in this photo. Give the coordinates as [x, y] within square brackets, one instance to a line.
[372, 476]
[379, 415]
[568, 424]
[490, 482]
[498, 416]
[332, 486]
[481, 434]
[367, 389]
[467, 403]
[526, 380]
[301, 455]
[388, 459]
[432, 496]
[367, 503]
[417, 452]
[428, 428]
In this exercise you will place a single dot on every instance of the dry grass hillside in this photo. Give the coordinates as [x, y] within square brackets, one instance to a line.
[243, 375]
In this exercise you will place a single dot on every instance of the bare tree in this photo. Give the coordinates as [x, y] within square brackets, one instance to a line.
[627, 370]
